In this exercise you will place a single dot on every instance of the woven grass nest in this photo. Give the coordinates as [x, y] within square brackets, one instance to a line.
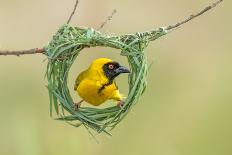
[62, 51]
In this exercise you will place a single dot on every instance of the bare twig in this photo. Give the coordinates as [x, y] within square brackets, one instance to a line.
[194, 16]
[37, 50]
[73, 12]
[108, 19]
[23, 52]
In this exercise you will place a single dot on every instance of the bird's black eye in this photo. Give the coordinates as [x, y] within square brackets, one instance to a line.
[111, 66]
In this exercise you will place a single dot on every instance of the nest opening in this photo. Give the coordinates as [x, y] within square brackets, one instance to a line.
[83, 61]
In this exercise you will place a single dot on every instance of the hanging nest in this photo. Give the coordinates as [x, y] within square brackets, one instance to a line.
[62, 52]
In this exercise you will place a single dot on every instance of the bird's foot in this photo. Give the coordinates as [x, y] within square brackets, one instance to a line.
[120, 104]
[77, 105]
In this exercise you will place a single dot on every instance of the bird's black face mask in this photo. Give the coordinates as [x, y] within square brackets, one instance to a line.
[113, 69]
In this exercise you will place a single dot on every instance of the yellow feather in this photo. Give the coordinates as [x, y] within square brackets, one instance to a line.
[90, 81]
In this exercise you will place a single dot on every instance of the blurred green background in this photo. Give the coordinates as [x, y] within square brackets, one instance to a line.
[186, 109]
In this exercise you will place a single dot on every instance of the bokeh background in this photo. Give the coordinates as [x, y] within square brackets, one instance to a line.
[185, 110]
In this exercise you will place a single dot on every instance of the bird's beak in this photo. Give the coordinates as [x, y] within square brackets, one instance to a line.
[122, 69]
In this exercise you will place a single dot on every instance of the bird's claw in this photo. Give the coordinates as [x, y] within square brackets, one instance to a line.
[120, 104]
[77, 105]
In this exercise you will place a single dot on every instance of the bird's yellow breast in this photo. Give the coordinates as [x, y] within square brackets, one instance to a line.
[94, 87]
[94, 93]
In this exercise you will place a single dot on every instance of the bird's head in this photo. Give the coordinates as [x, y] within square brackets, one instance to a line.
[110, 68]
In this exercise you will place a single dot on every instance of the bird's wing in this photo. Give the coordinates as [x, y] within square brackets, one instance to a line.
[79, 78]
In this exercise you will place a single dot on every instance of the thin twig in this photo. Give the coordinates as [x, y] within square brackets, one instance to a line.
[108, 19]
[193, 16]
[23, 52]
[73, 12]
[34, 51]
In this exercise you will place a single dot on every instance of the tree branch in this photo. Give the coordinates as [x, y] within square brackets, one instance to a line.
[108, 19]
[23, 52]
[73, 12]
[168, 28]
[193, 16]
[35, 50]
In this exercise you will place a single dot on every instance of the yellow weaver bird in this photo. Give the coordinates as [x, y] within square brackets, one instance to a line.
[97, 85]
